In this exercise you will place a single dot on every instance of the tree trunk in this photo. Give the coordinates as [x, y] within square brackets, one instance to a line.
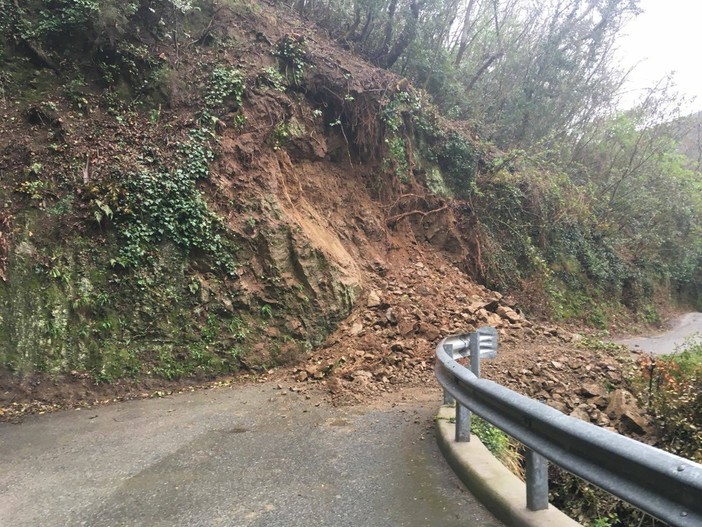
[405, 38]
[465, 33]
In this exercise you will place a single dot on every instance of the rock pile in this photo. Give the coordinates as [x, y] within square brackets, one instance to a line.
[389, 341]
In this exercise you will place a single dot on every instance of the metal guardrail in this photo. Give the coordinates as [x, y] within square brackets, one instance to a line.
[666, 486]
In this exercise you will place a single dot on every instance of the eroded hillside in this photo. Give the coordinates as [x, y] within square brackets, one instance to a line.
[259, 197]
[226, 213]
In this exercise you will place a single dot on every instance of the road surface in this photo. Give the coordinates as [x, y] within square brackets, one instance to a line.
[242, 456]
[681, 328]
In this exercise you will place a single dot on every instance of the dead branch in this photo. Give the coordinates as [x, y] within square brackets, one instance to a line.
[423, 214]
[403, 196]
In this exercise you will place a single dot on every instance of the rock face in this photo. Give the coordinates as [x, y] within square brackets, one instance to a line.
[65, 308]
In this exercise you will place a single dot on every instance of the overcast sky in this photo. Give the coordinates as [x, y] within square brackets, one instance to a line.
[666, 37]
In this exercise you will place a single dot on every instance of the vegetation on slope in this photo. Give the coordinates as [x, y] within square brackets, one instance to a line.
[672, 385]
[590, 205]
[120, 257]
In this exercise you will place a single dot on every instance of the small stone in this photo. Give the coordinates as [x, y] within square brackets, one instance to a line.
[391, 317]
[272, 332]
[356, 329]
[565, 336]
[373, 299]
[406, 328]
[494, 320]
[431, 333]
[581, 413]
[558, 405]
[602, 420]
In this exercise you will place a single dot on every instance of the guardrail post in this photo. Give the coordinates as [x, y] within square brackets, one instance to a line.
[536, 481]
[462, 423]
[448, 398]
[474, 346]
[463, 413]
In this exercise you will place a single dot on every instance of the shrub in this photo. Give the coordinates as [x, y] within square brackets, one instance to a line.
[292, 52]
[673, 385]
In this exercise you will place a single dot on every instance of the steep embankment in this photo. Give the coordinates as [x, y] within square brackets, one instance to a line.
[225, 212]
[256, 187]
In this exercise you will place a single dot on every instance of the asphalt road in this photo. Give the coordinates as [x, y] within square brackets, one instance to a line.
[686, 326]
[240, 456]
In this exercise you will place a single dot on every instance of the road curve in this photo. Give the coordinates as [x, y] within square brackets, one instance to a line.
[681, 328]
[243, 456]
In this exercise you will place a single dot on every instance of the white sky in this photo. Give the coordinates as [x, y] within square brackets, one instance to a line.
[666, 37]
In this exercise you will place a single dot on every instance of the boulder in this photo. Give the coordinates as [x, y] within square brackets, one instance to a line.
[592, 389]
[620, 401]
[634, 422]
[624, 408]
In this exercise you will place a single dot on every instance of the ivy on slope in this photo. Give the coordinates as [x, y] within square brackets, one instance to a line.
[407, 119]
[168, 204]
[159, 204]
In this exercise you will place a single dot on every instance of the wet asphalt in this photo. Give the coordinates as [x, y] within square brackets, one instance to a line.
[684, 328]
[235, 456]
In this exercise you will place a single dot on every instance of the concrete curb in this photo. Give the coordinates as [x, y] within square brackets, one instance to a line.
[503, 493]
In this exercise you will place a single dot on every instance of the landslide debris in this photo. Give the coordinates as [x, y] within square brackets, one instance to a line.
[388, 342]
